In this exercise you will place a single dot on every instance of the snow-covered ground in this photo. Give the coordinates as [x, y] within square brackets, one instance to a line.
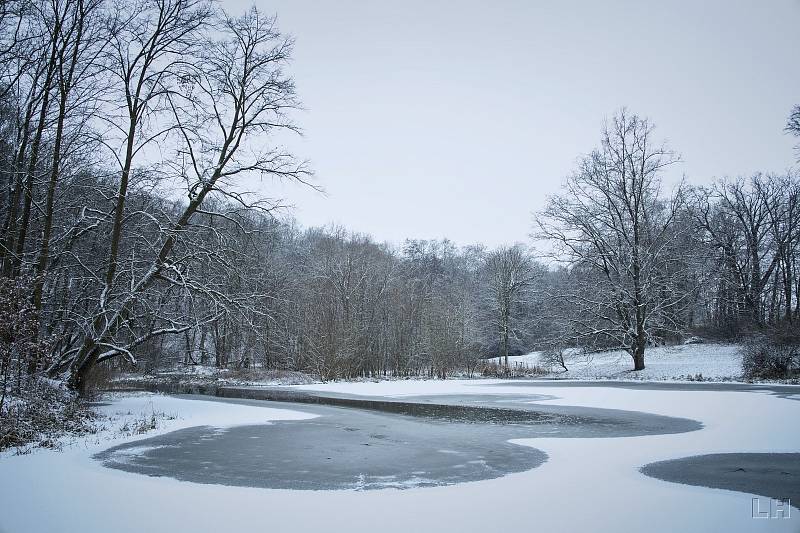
[715, 362]
[586, 484]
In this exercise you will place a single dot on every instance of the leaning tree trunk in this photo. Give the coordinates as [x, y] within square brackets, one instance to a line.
[80, 379]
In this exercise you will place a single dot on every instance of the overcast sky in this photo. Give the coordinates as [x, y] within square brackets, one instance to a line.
[430, 119]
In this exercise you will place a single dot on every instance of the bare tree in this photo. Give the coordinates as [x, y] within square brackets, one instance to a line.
[511, 274]
[150, 42]
[612, 223]
[47, 23]
[235, 91]
[25, 64]
[739, 219]
[80, 44]
[784, 220]
[793, 125]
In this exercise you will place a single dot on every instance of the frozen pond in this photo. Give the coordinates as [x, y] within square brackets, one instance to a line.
[374, 443]
[776, 475]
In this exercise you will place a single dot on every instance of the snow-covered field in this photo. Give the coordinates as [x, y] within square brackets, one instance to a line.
[586, 485]
[711, 361]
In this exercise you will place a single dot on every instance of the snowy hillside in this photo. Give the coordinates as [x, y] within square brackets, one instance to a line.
[711, 361]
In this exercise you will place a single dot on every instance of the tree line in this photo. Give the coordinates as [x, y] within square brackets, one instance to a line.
[125, 131]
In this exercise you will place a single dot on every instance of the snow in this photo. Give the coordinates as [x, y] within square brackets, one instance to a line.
[711, 361]
[586, 485]
[130, 407]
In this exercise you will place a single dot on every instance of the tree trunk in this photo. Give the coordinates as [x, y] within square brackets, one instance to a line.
[44, 251]
[638, 357]
[79, 379]
[505, 318]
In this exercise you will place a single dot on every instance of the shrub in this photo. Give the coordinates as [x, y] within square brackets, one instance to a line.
[34, 411]
[40, 413]
[772, 355]
[555, 357]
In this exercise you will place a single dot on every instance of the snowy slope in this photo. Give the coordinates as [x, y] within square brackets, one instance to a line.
[711, 361]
